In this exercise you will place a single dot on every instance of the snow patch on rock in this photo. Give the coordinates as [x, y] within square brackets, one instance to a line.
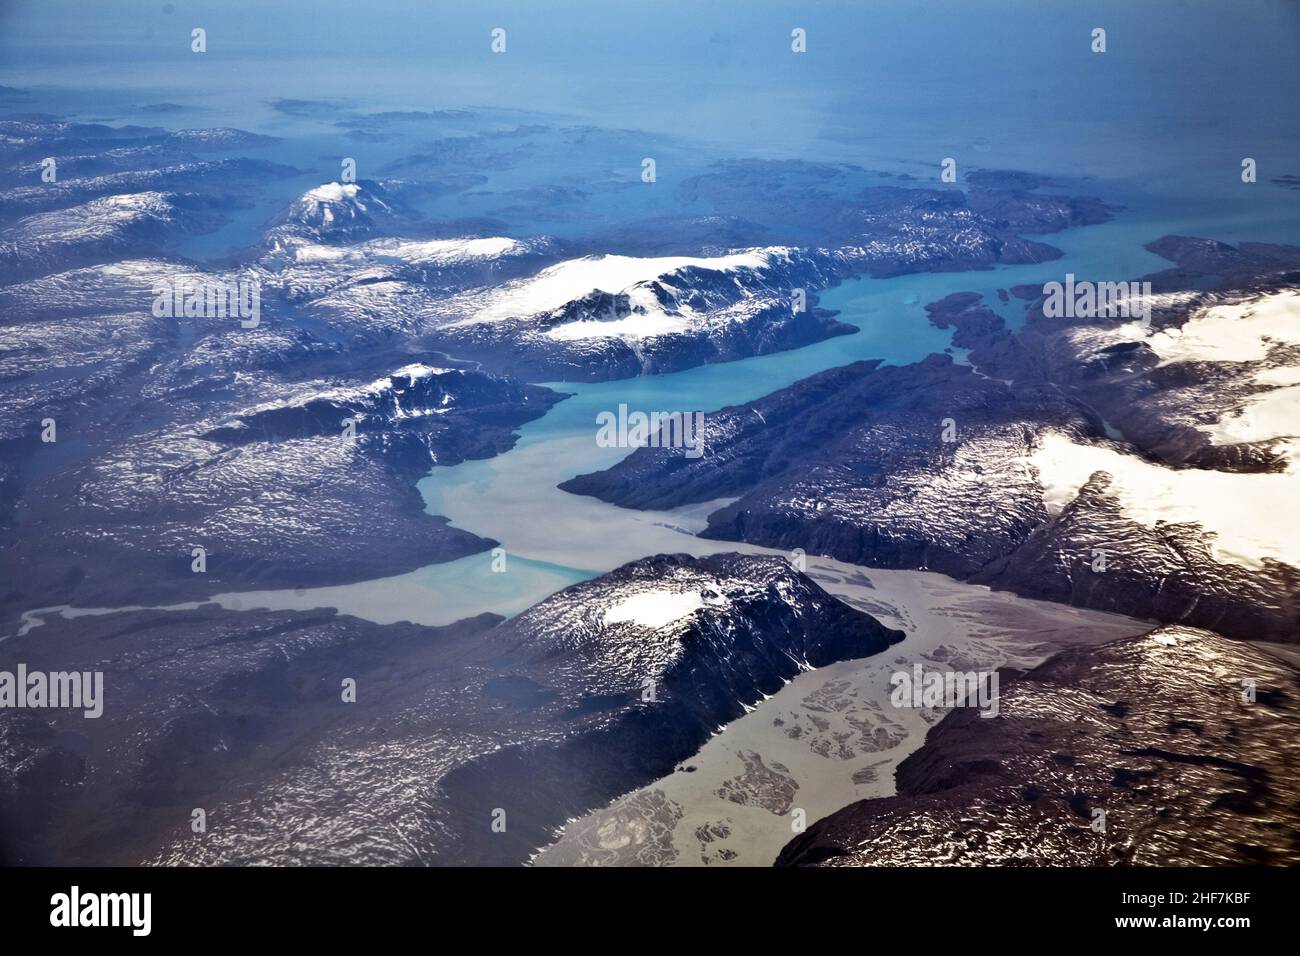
[655, 609]
[1243, 514]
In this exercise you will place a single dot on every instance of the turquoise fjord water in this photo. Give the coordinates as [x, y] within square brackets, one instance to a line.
[1158, 124]
[552, 539]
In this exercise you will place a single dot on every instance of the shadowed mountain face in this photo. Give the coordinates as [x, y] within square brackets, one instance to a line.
[1177, 748]
[857, 456]
[172, 458]
[595, 691]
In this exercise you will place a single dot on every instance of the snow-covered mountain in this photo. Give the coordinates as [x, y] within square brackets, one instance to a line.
[109, 227]
[596, 690]
[224, 177]
[334, 212]
[609, 316]
[264, 487]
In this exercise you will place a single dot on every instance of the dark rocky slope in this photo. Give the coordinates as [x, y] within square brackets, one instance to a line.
[598, 690]
[109, 523]
[1152, 732]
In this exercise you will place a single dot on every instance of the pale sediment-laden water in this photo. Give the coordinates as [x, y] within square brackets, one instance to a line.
[829, 736]
[552, 538]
